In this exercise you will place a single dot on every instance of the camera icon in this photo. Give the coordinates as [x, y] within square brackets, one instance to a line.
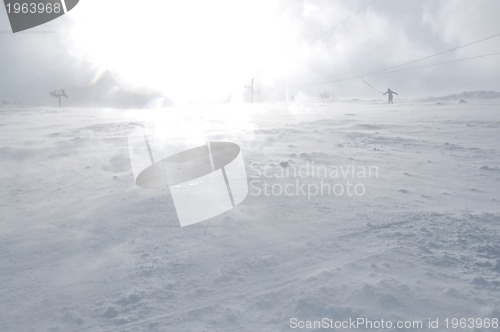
[204, 181]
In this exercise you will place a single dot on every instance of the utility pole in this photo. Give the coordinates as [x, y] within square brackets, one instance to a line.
[251, 89]
[59, 94]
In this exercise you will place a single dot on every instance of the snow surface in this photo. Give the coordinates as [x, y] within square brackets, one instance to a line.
[84, 249]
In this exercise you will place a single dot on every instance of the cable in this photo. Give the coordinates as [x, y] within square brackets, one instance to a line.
[406, 63]
[371, 86]
[377, 73]
[436, 54]
[428, 65]
[437, 63]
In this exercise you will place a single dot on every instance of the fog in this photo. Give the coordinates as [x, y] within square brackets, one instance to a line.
[207, 52]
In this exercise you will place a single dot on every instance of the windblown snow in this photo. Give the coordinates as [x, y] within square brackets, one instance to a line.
[84, 249]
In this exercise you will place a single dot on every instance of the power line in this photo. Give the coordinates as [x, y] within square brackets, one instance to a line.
[395, 71]
[436, 54]
[386, 70]
[437, 63]
[371, 86]
[428, 65]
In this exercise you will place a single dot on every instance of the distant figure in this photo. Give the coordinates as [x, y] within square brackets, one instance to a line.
[389, 92]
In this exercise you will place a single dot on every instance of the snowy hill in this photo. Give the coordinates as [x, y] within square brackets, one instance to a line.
[466, 95]
[302, 98]
[84, 249]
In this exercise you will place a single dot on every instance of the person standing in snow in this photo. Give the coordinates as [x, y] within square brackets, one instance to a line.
[389, 92]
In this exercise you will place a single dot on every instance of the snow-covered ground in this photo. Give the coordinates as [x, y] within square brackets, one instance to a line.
[82, 248]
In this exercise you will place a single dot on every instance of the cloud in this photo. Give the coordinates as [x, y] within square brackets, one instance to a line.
[212, 51]
[391, 32]
[462, 21]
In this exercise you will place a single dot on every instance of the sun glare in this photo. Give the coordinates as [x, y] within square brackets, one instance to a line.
[192, 51]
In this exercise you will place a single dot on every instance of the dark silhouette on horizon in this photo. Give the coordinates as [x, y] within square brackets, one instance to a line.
[59, 94]
[390, 93]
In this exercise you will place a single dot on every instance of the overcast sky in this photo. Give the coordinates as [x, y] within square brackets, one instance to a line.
[198, 50]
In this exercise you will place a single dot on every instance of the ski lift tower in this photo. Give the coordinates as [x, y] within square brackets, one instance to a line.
[251, 89]
[59, 94]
